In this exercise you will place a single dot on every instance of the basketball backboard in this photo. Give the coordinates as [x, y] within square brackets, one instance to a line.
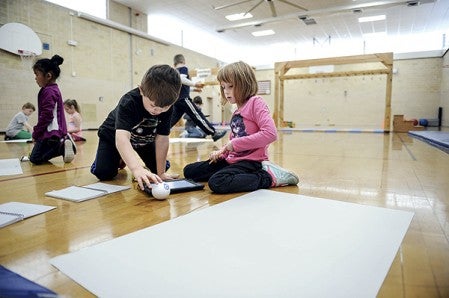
[18, 38]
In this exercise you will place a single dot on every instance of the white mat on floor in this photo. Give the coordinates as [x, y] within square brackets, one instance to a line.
[18, 141]
[10, 167]
[262, 244]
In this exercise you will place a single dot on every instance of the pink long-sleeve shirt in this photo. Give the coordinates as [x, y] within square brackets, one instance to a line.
[252, 131]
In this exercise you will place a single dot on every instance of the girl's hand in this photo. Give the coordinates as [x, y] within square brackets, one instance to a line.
[218, 154]
[214, 156]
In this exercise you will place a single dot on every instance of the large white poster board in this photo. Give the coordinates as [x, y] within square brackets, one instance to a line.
[262, 244]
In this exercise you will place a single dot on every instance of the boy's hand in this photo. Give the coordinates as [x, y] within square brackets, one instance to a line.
[145, 177]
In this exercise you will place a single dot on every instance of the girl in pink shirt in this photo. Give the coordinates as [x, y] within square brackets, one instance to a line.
[74, 119]
[242, 164]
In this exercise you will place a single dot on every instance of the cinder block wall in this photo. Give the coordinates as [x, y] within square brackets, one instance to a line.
[104, 64]
[108, 62]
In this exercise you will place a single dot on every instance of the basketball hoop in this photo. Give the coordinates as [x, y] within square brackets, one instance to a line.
[27, 58]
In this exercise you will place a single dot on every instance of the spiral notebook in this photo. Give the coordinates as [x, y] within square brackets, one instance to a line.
[83, 193]
[10, 167]
[12, 212]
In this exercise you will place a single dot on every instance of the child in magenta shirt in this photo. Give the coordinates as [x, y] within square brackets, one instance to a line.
[50, 133]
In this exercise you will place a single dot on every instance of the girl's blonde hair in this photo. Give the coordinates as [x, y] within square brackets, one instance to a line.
[242, 77]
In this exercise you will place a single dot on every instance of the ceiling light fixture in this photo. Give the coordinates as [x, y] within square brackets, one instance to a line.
[263, 33]
[413, 3]
[307, 20]
[380, 17]
[239, 16]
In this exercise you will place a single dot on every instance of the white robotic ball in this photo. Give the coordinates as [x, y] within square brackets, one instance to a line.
[160, 191]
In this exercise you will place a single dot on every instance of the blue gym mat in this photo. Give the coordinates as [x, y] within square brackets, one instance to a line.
[439, 139]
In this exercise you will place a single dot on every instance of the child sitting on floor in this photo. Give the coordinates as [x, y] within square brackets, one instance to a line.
[15, 129]
[74, 120]
[242, 164]
[191, 129]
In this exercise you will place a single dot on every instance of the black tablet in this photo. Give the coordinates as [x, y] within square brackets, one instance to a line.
[179, 185]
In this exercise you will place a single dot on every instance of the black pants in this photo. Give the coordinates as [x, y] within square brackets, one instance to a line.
[222, 177]
[46, 149]
[187, 106]
[107, 160]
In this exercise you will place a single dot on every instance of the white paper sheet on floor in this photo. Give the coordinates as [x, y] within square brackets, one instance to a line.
[262, 244]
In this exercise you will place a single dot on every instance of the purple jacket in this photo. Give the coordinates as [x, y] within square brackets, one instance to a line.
[51, 117]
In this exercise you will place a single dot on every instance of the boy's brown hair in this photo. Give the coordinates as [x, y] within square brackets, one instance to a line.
[161, 84]
[242, 77]
[28, 105]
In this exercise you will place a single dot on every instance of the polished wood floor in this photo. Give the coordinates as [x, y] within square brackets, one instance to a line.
[386, 170]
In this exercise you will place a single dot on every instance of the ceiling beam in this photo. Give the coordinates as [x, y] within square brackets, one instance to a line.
[326, 11]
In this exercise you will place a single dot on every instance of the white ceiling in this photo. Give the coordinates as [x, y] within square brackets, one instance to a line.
[335, 20]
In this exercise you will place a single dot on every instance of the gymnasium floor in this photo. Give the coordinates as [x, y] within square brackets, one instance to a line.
[386, 170]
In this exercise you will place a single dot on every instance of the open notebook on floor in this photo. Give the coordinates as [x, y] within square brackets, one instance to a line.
[12, 212]
[83, 193]
[10, 166]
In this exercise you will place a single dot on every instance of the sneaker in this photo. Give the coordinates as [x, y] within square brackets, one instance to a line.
[69, 153]
[218, 135]
[280, 176]
[73, 143]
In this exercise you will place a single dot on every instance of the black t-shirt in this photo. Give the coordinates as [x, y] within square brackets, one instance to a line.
[130, 115]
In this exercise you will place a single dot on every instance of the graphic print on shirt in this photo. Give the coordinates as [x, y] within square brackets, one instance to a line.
[144, 133]
[238, 126]
[238, 130]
